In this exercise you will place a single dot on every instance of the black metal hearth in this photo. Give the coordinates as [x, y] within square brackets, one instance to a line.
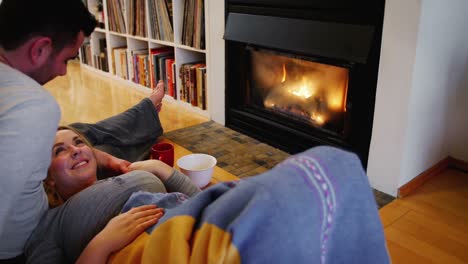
[302, 73]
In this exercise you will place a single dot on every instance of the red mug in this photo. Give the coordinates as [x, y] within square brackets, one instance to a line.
[164, 152]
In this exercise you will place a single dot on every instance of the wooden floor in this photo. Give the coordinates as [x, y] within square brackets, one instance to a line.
[87, 96]
[430, 226]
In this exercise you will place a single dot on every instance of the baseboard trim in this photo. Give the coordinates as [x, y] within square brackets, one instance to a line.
[458, 164]
[419, 180]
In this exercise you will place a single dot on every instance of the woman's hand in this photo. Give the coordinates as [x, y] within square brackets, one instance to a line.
[118, 165]
[110, 165]
[157, 167]
[119, 232]
[125, 227]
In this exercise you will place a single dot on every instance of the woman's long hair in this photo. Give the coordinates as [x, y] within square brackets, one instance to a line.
[53, 196]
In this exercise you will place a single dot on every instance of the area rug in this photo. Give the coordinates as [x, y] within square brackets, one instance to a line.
[237, 153]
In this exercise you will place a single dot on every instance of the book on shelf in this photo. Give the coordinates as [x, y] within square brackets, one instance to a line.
[163, 68]
[124, 64]
[157, 56]
[183, 75]
[102, 55]
[161, 20]
[174, 81]
[142, 69]
[154, 25]
[169, 82]
[200, 72]
[136, 17]
[187, 23]
[170, 10]
[86, 55]
[119, 62]
[205, 85]
[136, 64]
[96, 59]
[193, 32]
[116, 12]
[193, 87]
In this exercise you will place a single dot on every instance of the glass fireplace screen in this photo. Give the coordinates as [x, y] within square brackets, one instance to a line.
[306, 91]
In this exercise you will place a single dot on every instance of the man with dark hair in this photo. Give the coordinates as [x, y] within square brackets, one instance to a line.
[37, 39]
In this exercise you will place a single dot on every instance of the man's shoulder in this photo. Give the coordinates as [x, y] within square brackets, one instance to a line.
[12, 77]
[25, 101]
[18, 91]
[21, 106]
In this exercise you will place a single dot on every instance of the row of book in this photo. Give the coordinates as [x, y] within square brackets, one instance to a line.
[160, 14]
[136, 17]
[86, 55]
[161, 20]
[146, 67]
[98, 60]
[116, 15]
[194, 84]
[193, 31]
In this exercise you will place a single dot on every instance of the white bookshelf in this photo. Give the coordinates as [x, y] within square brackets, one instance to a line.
[182, 53]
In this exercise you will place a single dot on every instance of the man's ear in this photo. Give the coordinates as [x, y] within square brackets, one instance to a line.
[40, 50]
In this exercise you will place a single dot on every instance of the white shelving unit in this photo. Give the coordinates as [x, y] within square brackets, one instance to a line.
[182, 53]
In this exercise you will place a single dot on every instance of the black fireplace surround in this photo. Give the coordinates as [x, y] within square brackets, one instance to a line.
[341, 33]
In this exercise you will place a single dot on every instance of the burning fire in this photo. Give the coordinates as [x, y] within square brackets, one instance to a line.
[310, 91]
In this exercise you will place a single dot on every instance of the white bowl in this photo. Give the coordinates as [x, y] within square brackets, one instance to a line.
[198, 167]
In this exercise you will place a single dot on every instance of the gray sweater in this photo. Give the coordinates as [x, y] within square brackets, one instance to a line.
[29, 117]
[65, 231]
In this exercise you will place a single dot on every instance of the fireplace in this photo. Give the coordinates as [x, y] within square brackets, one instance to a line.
[303, 73]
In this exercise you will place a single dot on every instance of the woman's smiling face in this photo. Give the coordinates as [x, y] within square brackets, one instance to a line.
[73, 166]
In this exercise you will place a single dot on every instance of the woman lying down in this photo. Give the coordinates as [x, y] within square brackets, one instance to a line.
[314, 207]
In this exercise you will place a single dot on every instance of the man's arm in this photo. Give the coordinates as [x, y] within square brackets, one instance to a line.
[28, 122]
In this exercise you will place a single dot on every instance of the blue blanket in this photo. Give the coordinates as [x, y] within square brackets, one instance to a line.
[314, 207]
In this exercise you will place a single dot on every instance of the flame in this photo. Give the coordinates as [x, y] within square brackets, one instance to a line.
[335, 102]
[303, 91]
[284, 73]
[269, 103]
[319, 119]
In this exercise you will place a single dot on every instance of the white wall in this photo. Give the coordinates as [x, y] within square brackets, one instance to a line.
[458, 75]
[423, 60]
[397, 59]
[215, 61]
[441, 61]
[458, 126]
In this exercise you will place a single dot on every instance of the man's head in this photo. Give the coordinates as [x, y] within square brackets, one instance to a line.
[39, 37]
